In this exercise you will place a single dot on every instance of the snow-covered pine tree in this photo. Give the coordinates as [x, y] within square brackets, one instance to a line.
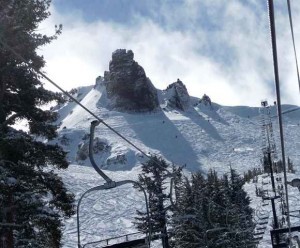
[241, 212]
[212, 212]
[153, 179]
[33, 199]
[217, 207]
[188, 226]
[230, 210]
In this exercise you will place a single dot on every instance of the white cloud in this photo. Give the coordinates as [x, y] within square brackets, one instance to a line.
[231, 61]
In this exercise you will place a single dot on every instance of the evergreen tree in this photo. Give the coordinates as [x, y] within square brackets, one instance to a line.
[153, 179]
[213, 212]
[240, 210]
[33, 199]
[218, 205]
[184, 219]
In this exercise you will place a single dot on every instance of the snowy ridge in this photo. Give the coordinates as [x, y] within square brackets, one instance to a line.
[202, 137]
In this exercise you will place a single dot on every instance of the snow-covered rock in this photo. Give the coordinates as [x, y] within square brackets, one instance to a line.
[205, 100]
[100, 146]
[178, 96]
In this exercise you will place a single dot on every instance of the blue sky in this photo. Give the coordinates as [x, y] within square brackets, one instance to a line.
[119, 11]
[217, 47]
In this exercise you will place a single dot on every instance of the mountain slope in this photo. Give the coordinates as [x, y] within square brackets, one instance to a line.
[202, 137]
[184, 130]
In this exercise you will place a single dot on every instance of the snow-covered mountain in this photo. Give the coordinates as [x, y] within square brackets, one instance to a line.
[185, 130]
[202, 137]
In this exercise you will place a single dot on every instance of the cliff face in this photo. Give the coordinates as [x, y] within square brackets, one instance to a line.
[127, 85]
[178, 96]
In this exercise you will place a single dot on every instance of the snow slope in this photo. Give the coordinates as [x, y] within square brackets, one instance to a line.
[103, 214]
[262, 208]
[201, 138]
[106, 214]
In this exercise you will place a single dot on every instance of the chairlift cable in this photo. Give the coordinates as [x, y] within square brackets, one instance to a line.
[100, 172]
[293, 38]
[276, 75]
[287, 111]
[22, 59]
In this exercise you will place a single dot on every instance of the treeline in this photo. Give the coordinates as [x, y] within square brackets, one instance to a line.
[276, 166]
[210, 211]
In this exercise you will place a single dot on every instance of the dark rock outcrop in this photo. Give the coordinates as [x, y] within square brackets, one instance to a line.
[178, 96]
[127, 85]
[100, 146]
[205, 100]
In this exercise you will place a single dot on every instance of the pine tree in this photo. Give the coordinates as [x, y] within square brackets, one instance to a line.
[33, 199]
[212, 212]
[241, 213]
[193, 218]
[153, 179]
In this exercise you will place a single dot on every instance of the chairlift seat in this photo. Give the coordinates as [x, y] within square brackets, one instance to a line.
[264, 218]
[263, 223]
[138, 243]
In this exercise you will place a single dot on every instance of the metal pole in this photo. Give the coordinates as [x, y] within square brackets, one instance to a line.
[275, 220]
[271, 171]
[276, 73]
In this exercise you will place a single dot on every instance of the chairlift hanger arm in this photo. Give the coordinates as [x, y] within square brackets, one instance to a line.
[109, 182]
[91, 152]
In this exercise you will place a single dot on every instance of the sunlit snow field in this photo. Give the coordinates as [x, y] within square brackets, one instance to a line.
[201, 138]
[109, 213]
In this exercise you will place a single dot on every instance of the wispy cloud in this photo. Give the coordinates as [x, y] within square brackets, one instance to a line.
[221, 48]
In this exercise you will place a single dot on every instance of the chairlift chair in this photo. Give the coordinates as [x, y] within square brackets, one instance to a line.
[109, 184]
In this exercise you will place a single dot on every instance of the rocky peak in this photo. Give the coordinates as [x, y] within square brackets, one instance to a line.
[127, 85]
[178, 96]
[120, 59]
[177, 84]
[205, 100]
